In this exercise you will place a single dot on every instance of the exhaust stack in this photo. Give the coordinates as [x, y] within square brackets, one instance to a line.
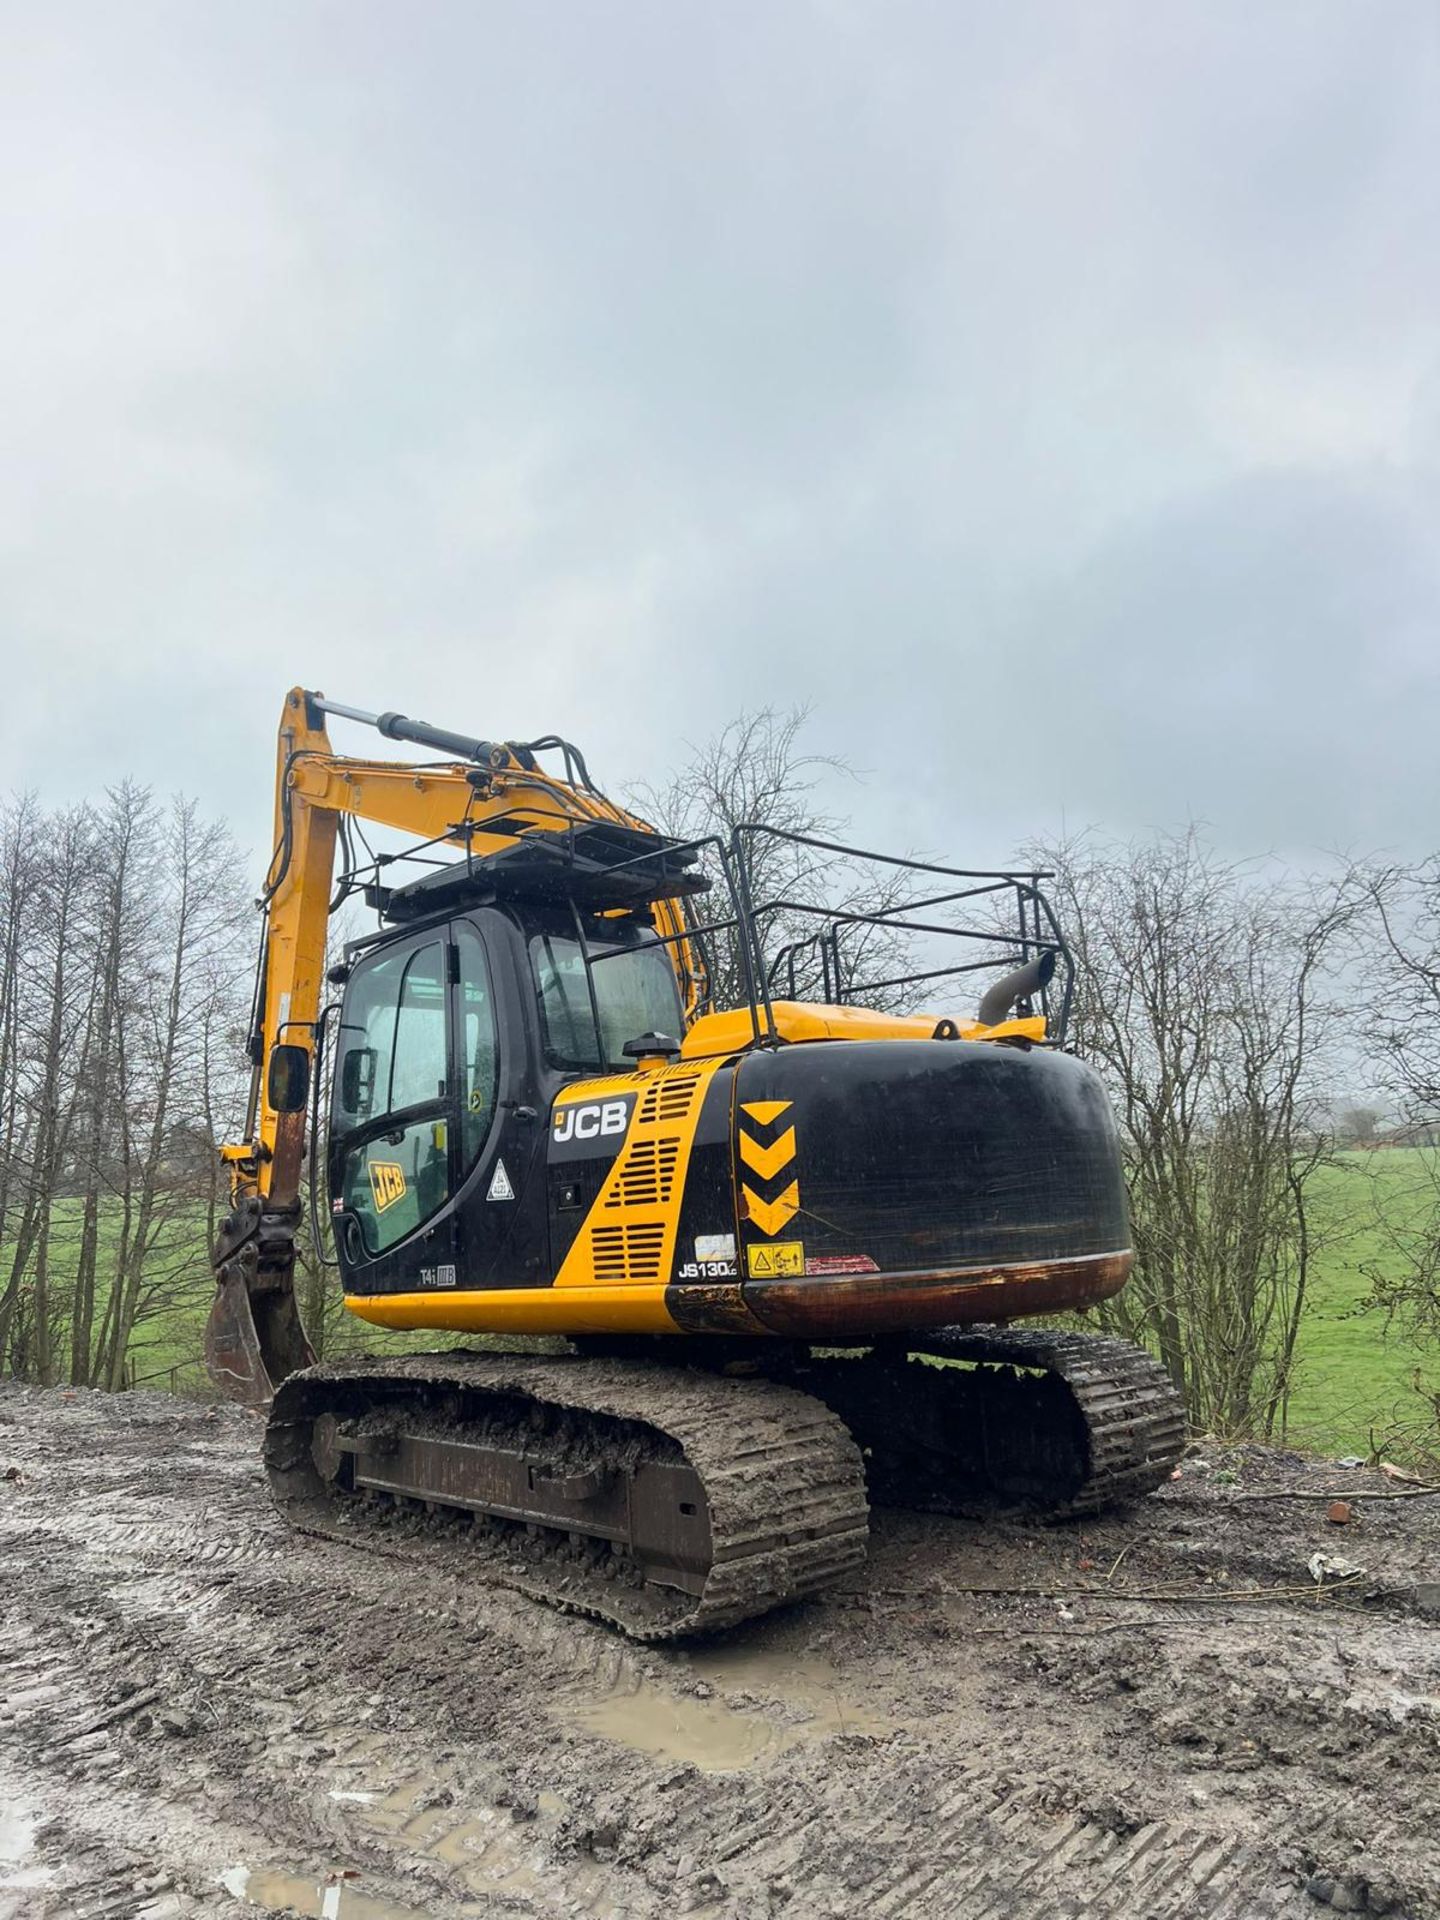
[1030, 979]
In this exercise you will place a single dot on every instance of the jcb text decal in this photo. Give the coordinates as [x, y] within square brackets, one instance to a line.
[590, 1126]
[584, 1123]
[387, 1183]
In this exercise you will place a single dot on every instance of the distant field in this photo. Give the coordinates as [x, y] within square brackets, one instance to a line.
[1355, 1372]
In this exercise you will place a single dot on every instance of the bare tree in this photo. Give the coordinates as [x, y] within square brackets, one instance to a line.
[19, 866]
[124, 828]
[756, 773]
[195, 901]
[1358, 1126]
[1406, 1017]
[1206, 999]
[59, 1008]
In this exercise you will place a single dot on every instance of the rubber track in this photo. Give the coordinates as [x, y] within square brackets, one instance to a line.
[784, 1481]
[1134, 1418]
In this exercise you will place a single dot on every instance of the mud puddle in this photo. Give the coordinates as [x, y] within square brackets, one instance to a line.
[17, 1836]
[277, 1892]
[475, 1845]
[807, 1690]
[704, 1733]
[771, 1703]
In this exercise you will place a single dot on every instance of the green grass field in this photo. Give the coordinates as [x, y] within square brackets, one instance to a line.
[1355, 1376]
[1356, 1371]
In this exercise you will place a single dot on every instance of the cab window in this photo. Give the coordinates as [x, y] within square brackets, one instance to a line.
[417, 1073]
[479, 1056]
[366, 1048]
[635, 993]
[391, 1059]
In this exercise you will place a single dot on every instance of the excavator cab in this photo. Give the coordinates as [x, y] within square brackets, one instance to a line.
[450, 1046]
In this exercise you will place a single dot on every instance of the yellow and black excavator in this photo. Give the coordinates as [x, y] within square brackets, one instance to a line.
[758, 1226]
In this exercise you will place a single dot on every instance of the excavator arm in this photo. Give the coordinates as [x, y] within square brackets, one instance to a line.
[488, 797]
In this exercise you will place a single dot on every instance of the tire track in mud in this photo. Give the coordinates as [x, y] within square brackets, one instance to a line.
[187, 1691]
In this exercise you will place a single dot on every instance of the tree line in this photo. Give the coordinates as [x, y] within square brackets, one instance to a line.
[1249, 1020]
[125, 934]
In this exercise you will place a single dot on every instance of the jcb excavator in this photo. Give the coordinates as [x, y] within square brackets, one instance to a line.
[759, 1225]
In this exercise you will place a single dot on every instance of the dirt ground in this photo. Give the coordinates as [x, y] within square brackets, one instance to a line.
[201, 1713]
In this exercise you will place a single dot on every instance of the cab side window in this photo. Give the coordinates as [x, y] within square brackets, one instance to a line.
[392, 1061]
[565, 1005]
[418, 1073]
[479, 1052]
[367, 1042]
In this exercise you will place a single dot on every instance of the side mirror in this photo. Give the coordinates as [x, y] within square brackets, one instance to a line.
[288, 1083]
[357, 1080]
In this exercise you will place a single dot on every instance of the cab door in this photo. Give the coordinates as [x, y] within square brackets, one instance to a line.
[499, 1199]
[393, 1118]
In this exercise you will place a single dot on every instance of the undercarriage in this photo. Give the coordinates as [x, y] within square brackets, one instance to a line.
[677, 1500]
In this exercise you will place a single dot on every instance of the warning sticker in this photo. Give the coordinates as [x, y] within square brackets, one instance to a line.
[500, 1187]
[780, 1257]
[387, 1183]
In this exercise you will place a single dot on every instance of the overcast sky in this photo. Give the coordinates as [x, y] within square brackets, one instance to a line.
[1050, 394]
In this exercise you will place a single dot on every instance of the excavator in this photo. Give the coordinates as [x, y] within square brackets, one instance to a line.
[778, 1246]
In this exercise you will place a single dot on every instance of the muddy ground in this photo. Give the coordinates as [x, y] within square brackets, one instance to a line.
[203, 1714]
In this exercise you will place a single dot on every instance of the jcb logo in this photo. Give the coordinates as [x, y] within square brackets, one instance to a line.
[387, 1183]
[591, 1121]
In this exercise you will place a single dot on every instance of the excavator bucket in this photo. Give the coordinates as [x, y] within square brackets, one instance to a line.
[253, 1340]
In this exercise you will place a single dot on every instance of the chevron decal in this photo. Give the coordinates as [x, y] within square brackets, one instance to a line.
[771, 1215]
[772, 1162]
[768, 1161]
